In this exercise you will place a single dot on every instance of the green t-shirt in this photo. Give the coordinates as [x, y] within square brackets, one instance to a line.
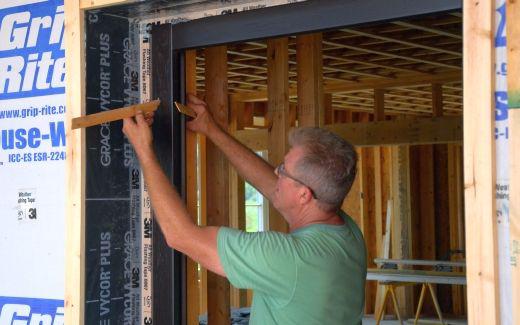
[314, 275]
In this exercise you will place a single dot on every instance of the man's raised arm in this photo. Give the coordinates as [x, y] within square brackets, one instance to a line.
[250, 166]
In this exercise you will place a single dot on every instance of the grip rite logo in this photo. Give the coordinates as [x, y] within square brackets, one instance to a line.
[32, 56]
[26, 311]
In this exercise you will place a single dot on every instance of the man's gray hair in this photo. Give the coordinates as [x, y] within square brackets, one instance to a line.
[328, 165]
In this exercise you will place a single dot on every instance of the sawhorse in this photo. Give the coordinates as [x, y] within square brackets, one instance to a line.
[390, 290]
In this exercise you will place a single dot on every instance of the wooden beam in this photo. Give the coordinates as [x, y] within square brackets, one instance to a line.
[342, 87]
[402, 131]
[513, 85]
[479, 162]
[310, 79]
[278, 113]
[417, 131]
[217, 176]
[75, 166]
[192, 267]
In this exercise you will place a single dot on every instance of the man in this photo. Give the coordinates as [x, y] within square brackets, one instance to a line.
[313, 275]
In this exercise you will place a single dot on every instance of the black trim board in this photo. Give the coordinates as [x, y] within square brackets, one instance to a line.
[302, 17]
[168, 85]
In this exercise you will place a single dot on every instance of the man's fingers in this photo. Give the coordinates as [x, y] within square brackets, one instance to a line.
[139, 118]
[195, 100]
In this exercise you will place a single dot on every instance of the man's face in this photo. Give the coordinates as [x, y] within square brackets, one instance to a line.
[286, 194]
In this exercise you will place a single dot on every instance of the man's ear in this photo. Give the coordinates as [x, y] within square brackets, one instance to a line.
[305, 195]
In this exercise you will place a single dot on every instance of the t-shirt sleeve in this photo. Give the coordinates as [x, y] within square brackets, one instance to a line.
[262, 261]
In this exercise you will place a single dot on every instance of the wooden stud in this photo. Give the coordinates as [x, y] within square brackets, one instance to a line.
[379, 115]
[202, 181]
[278, 113]
[328, 114]
[237, 200]
[401, 219]
[513, 84]
[76, 162]
[479, 162]
[442, 199]
[310, 79]
[455, 193]
[192, 267]
[217, 176]
[427, 205]
[437, 105]
[368, 218]
[352, 203]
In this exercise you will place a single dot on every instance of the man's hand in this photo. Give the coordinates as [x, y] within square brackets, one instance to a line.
[139, 133]
[204, 121]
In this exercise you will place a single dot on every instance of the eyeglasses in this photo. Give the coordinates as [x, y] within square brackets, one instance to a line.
[280, 171]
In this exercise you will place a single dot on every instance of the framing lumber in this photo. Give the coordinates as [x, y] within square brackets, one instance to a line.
[114, 114]
[427, 203]
[192, 267]
[400, 41]
[76, 165]
[479, 162]
[456, 214]
[352, 203]
[417, 131]
[310, 79]
[429, 29]
[401, 219]
[441, 192]
[392, 55]
[344, 86]
[513, 84]
[328, 109]
[379, 115]
[237, 216]
[278, 113]
[366, 172]
[402, 131]
[202, 183]
[217, 176]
